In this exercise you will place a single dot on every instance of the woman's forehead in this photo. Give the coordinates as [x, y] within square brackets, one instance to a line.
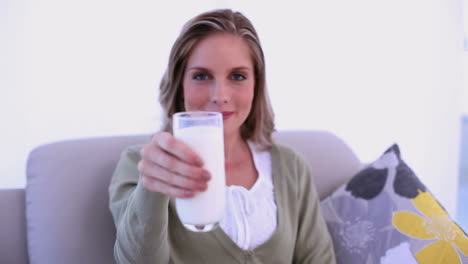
[221, 50]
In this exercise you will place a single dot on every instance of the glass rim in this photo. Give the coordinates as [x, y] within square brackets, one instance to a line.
[196, 114]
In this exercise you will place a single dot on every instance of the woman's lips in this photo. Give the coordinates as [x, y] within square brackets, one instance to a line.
[226, 115]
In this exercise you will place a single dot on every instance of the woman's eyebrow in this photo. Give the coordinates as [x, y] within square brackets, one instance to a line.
[242, 68]
[198, 68]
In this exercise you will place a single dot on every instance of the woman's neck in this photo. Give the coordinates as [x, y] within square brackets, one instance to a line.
[236, 150]
[239, 164]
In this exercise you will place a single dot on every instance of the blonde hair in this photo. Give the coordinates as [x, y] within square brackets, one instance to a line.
[259, 125]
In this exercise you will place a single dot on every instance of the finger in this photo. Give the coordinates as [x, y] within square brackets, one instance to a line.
[165, 160]
[169, 190]
[177, 148]
[175, 165]
[155, 171]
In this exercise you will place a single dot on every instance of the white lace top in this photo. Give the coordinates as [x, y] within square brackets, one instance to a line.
[250, 218]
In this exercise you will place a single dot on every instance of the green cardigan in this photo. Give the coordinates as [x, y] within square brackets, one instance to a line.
[149, 230]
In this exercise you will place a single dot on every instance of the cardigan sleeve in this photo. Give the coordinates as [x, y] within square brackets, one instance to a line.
[140, 216]
[313, 241]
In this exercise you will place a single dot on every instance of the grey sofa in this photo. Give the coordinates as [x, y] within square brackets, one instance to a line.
[62, 215]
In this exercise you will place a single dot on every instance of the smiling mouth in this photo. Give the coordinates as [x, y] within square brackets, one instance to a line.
[227, 115]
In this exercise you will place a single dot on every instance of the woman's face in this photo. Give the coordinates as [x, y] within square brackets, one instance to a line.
[219, 77]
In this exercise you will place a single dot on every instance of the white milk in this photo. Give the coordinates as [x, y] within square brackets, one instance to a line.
[206, 207]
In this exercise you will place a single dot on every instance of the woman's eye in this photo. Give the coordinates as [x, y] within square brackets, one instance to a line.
[200, 77]
[238, 77]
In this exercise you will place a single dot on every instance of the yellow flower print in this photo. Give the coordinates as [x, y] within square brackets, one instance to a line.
[435, 225]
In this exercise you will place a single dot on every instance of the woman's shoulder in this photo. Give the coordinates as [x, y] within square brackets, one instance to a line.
[290, 170]
[286, 153]
[286, 160]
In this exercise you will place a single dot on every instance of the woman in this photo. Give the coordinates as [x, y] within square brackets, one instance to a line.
[272, 215]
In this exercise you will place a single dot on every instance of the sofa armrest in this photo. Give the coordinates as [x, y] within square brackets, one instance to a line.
[13, 247]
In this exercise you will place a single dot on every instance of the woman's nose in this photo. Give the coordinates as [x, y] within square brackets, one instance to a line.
[220, 93]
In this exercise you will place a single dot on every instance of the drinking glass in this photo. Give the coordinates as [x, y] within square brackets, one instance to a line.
[203, 132]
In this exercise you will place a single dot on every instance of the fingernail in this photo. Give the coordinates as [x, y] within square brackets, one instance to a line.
[206, 175]
[202, 187]
[199, 161]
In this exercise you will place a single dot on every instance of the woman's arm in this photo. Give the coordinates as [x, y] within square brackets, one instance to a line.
[140, 216]
[143, 181]
[313, 242]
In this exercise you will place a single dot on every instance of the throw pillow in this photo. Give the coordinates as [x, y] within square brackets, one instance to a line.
[384, 207]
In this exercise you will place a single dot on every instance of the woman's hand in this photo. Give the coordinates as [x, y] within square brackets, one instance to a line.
[171, 167]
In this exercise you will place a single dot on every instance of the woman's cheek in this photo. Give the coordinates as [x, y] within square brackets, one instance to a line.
[195, 100]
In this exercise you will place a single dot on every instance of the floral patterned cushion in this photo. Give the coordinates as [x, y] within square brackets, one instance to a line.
[384, 208]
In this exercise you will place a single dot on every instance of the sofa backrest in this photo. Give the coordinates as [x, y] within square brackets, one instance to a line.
[68, 220]
[13, 248]
[331, 160]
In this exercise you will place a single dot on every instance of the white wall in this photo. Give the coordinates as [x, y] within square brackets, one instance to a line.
[13, 135]
[373, 72]
[464, 97]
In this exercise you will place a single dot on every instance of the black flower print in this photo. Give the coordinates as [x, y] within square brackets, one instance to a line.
[370, 182]
[406, 182]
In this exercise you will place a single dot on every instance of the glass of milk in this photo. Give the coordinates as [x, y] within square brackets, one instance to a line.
[203, 132]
